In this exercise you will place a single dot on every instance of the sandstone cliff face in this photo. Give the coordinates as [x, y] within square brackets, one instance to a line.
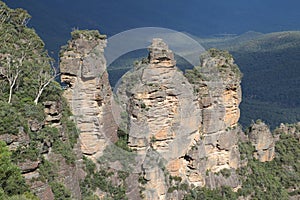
[163, 115]
[217, 87]
[183, 128]
[190, 122]
[262, 139]
[83, 69]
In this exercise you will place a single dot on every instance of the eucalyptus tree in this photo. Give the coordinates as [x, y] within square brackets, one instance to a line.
[24, 63]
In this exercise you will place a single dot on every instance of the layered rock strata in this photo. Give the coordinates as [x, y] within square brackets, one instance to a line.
[217, 87]
[181, 125]
[83, 70]
[262, 139]
[163, 115]
[190, 122]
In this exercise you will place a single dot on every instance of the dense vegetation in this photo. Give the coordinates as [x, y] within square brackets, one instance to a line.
[11, 181]
[26, 81]
[271, 81]
[100, 179]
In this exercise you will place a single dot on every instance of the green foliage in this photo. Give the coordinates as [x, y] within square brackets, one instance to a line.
[17, 17]
[194, 76]
[53, 135]
[53, 92]
[11, 180]
[25, 67]
[271, 179]
[270, 66]
[24, 63]
[175, 183]
[30, 110]
[266, 180]
[143, 106]
[123, 175]
[123, 140]
[25, 196]
[64, 148]
[47, 171]
[113, 153]
[101, 180]
[69, 126]
[33, 150]
[246, 150]
[90, 166]
[10, 119]
[142, 180]
[60, 192]
[30, 152]
[90, 34]
[153, 139]
[216, 53]
[175, 178]
[226, 172]
[207, 194]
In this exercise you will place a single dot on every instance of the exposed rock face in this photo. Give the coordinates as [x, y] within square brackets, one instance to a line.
[28, 166]
[83, 69]
[163, 114]
[217, 87]
[14, 141]
[217, 84]
[53, 111]
[191, 123]
[42, 190]
[262, 139]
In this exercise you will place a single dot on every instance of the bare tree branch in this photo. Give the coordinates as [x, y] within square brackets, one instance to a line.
[44, 80]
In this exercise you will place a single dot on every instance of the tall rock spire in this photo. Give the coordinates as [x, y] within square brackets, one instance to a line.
[83, 69]
[159, 53]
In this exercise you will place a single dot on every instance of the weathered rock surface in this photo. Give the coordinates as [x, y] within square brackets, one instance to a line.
[217, 86]
[262, 139]
[83, 69]
[42, 190]
[28, 166]
[163, 114]
[15, 141]
[217, 180]
[53, 111]
[190, 122]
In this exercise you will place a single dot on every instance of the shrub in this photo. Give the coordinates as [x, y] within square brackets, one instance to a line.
[11, 180]
[60, 192]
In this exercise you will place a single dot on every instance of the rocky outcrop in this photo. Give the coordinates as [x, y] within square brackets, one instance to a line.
[83, 70]
[15, 141]
[163, 115]
[216, 84]
[191, 122]
[179, 125]
[35, 148]
[53, 111]
[262, 139]
[293, 129]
